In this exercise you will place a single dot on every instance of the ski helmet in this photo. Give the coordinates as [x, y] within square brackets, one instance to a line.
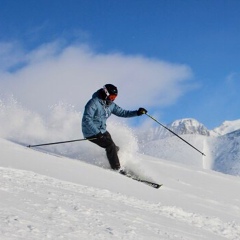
[110, 91]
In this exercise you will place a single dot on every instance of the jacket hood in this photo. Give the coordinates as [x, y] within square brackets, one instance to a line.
[96, 94]
[100, 95]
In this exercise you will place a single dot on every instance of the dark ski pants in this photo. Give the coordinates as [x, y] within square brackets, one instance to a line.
[110, 147]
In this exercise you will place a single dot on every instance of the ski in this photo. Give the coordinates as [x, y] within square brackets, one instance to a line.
[152, 184]
[149, 183]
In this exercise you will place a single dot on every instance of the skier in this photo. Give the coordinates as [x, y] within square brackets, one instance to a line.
[97, 110]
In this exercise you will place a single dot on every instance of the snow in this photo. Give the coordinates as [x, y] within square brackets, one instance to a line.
[51, 197]
[222, 150]
[68, 191]
[227, 127]
[189, 125]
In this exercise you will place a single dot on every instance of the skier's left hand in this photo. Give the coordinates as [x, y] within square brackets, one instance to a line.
[141, 111]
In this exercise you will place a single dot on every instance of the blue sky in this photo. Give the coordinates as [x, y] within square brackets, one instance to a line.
[200, 37]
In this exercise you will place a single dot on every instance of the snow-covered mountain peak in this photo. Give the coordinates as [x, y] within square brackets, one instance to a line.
[189, 126]
[226, 127]
[180, 127]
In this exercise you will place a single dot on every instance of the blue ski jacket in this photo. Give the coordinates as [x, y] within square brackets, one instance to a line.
[96, 113]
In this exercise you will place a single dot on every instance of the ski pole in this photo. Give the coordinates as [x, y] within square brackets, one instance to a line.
[45, 144]
[174, 133]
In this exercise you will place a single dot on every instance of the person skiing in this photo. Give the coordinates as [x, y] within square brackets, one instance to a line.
[97, 110]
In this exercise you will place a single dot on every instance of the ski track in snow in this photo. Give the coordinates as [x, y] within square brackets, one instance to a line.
[52, 209]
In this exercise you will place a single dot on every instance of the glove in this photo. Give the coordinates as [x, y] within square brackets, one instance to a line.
[141, 111]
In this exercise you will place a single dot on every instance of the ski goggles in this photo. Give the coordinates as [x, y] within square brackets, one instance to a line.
[112, 97]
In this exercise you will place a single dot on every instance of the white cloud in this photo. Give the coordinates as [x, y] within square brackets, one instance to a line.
[54, 73]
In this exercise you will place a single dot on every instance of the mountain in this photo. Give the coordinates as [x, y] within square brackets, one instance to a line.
[189, 126]
[226, 152]
[226, 127]
[221, 145]
[182, 126]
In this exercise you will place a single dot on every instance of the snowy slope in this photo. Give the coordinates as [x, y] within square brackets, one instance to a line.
[77, 196]
[50, 197]
[174, 149]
